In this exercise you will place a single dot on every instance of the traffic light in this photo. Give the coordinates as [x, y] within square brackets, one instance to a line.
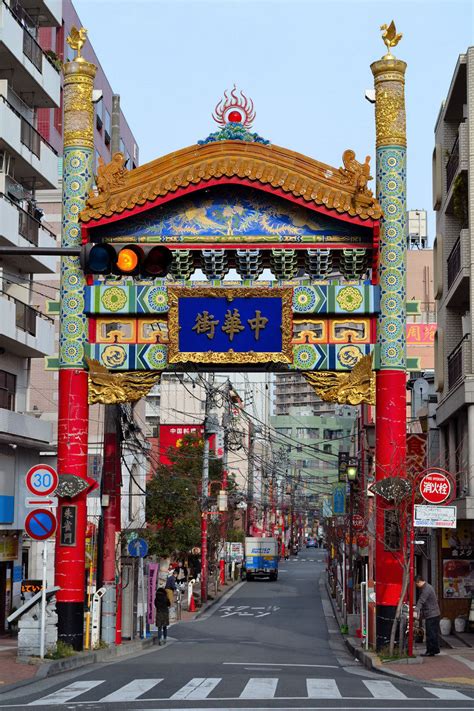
[343, 461]
[148, 260]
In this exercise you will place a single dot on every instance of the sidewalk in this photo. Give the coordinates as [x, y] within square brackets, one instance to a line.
[452, 668]
[16, 672]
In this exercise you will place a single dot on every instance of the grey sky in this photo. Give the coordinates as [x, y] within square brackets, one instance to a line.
[305, 63]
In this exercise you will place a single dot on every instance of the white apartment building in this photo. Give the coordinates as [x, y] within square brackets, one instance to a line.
[29, 81]
[453, 197]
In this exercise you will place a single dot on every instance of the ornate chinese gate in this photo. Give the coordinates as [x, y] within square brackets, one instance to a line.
[232, 202]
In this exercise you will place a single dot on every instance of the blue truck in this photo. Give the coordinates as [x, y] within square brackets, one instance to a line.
[261, 558]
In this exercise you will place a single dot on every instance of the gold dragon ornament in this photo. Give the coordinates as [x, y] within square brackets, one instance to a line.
[352, 388]
[112, 388]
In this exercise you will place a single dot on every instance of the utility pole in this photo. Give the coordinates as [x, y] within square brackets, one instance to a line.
[204, 501]
[250, 479]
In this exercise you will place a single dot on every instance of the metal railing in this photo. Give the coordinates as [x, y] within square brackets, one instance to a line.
[32, 50]
[455, 365]
[25, 317]
[454, 262]
[453, 163]
[30, 137]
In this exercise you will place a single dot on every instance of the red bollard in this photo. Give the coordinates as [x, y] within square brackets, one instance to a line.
[222, 571]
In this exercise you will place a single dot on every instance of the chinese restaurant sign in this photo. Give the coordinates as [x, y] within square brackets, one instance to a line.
[225, 325]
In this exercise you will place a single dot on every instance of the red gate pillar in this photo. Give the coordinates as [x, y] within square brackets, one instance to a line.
[73, 392]
[390, 420]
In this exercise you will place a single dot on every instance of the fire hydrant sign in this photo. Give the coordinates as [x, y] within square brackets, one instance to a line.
[435, 516]
[435, 488]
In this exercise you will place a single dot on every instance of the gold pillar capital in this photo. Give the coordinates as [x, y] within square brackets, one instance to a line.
[389, 80]
[79, 77]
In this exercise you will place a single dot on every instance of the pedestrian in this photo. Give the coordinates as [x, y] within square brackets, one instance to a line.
[182, 572]
[170, 585]
[427, 606]
[162, 605]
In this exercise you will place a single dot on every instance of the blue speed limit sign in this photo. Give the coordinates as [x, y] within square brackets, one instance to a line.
[42, 480]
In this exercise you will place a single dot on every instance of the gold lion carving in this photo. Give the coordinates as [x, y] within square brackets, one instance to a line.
[352, 388]
[111, 388]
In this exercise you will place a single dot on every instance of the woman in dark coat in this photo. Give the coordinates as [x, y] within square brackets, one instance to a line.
[162, 614]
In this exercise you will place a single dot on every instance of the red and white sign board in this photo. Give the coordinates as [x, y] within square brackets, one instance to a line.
[42, 480]
[435, 488]
[358, 522]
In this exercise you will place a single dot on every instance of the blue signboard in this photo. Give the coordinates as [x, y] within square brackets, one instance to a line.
[230, 325]
[339, 499]
[138, 548]
[250, 324]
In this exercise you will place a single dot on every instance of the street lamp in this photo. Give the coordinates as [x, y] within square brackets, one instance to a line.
[352, 474]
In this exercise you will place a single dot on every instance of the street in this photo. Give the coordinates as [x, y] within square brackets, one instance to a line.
[263, 645]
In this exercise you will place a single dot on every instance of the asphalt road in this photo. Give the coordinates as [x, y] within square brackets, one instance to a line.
[267, 645]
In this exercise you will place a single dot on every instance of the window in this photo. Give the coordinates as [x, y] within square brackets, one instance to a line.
[7, 390]
[328, 448]
[98, 114]
[107, 128]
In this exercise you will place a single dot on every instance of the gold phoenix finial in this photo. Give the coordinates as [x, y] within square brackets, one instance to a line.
[390, 37]
[76, 39]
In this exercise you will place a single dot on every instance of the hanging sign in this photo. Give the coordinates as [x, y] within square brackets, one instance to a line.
[435, 487]
[434, 516]
[41, 480]
[358, 522]
[230, 325]
[68, 525]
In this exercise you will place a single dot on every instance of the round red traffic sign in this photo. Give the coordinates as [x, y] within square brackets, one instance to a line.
[42, 480]
[40, 524]
[435, 487]
[358, 522]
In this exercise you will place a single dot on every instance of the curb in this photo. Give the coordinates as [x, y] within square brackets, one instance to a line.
[371, 661]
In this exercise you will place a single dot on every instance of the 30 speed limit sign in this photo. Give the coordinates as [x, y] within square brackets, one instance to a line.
[42, 480]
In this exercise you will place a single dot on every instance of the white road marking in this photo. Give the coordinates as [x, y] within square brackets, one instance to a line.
[67, 693]
[132, 690]
[447, 694]
[463, 660]
[280, 664]
[259, 688]
[322, 689]
[383, 690]
[198, 688]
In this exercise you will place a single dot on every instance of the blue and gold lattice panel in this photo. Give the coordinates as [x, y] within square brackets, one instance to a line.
[391, 327]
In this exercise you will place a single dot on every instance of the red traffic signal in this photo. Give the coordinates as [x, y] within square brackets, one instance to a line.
[146, 260]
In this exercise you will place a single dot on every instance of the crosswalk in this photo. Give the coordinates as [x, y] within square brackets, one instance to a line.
[255, 688]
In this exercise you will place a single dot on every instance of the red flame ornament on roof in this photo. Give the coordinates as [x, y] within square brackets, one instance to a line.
[236, 108]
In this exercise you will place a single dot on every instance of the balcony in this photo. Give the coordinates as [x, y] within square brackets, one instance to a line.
[31, 69]
[459, 260]
[46, 13]
[18, 228]
[23, 330]
[459, 363]
[35, 159]
[24, 430]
